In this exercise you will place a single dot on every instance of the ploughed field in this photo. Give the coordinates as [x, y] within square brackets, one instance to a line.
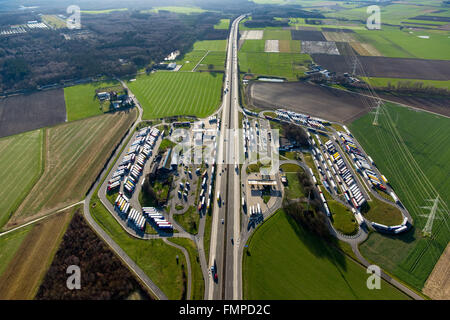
[388, 67]
[315, 100]
[410, 148]
[31, 111]
[20, 167]
[75, 154]
[164, 94]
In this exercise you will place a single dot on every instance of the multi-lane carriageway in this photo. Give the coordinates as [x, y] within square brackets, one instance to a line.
[224, 245]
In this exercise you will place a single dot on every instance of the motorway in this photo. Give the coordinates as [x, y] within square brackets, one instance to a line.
[224, 236]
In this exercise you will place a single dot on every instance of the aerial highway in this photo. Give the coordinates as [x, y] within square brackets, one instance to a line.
[225, 225]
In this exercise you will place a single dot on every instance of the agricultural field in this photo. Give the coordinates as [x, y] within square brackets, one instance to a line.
[164, 94]
[392, 42]
[21, 165]
[386, 82]
[286, 65]
[407, 148]
[280, 246]
[82, 102]
[24, 272]
[216, 59]
[178, 9]
[155, 258]
[270, 34]
[223, 24]
[9, 244]
[32, 111]
[103, 11]
[75, 154]
[211, 45]
[190, 60]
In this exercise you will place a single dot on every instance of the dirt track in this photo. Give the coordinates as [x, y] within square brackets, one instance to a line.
[32, 111]
[315, 100]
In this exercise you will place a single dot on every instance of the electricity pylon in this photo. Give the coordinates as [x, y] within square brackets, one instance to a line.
[427, 230]
[377, 112]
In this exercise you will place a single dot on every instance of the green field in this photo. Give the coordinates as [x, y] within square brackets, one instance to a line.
[216, 59]
[392, 42]
[385, 82]
[189, 220]
[277, 35]
[283, 261]
[223, 24]
[9, 244]
[164, 94]
[286, 65]
[190, 60]
[211, 45]
[20, 167]
[177, 9]
[102, 11]
[75, 154]
[54, 21]
[82, 102]
[198, 283]
[408, 148]
[154, 257]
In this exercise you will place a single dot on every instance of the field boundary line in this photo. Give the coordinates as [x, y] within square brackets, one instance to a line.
[207, 52]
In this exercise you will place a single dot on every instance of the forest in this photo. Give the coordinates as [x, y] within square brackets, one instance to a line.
[115, 44]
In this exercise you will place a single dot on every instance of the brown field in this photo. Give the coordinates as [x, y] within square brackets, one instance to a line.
[437, 286]
[284, 45]
[339, 36]
[27, 112]
[365, 49]
[26, 270]
[314, 100]
[385, 67]
[75, 154]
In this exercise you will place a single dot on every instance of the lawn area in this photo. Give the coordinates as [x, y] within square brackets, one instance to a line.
[392, 42]
[283, 261]
[385, 82]
[82, 102]
[198, 283]
[154, 257]
[382, 212]
[407, 147]
[9, 244]
[190, 60]
[189, 220]
[164, 94]
[211, 45]
[75, 153]
[287, 65]
[216, 59]
[20, 167]
[223, 24]
[343, 219]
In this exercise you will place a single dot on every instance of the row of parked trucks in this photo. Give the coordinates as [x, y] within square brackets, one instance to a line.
[204, 201]
[133, 216]
[363, 165]
[157, 218]
[299, 118]
[133, 162]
